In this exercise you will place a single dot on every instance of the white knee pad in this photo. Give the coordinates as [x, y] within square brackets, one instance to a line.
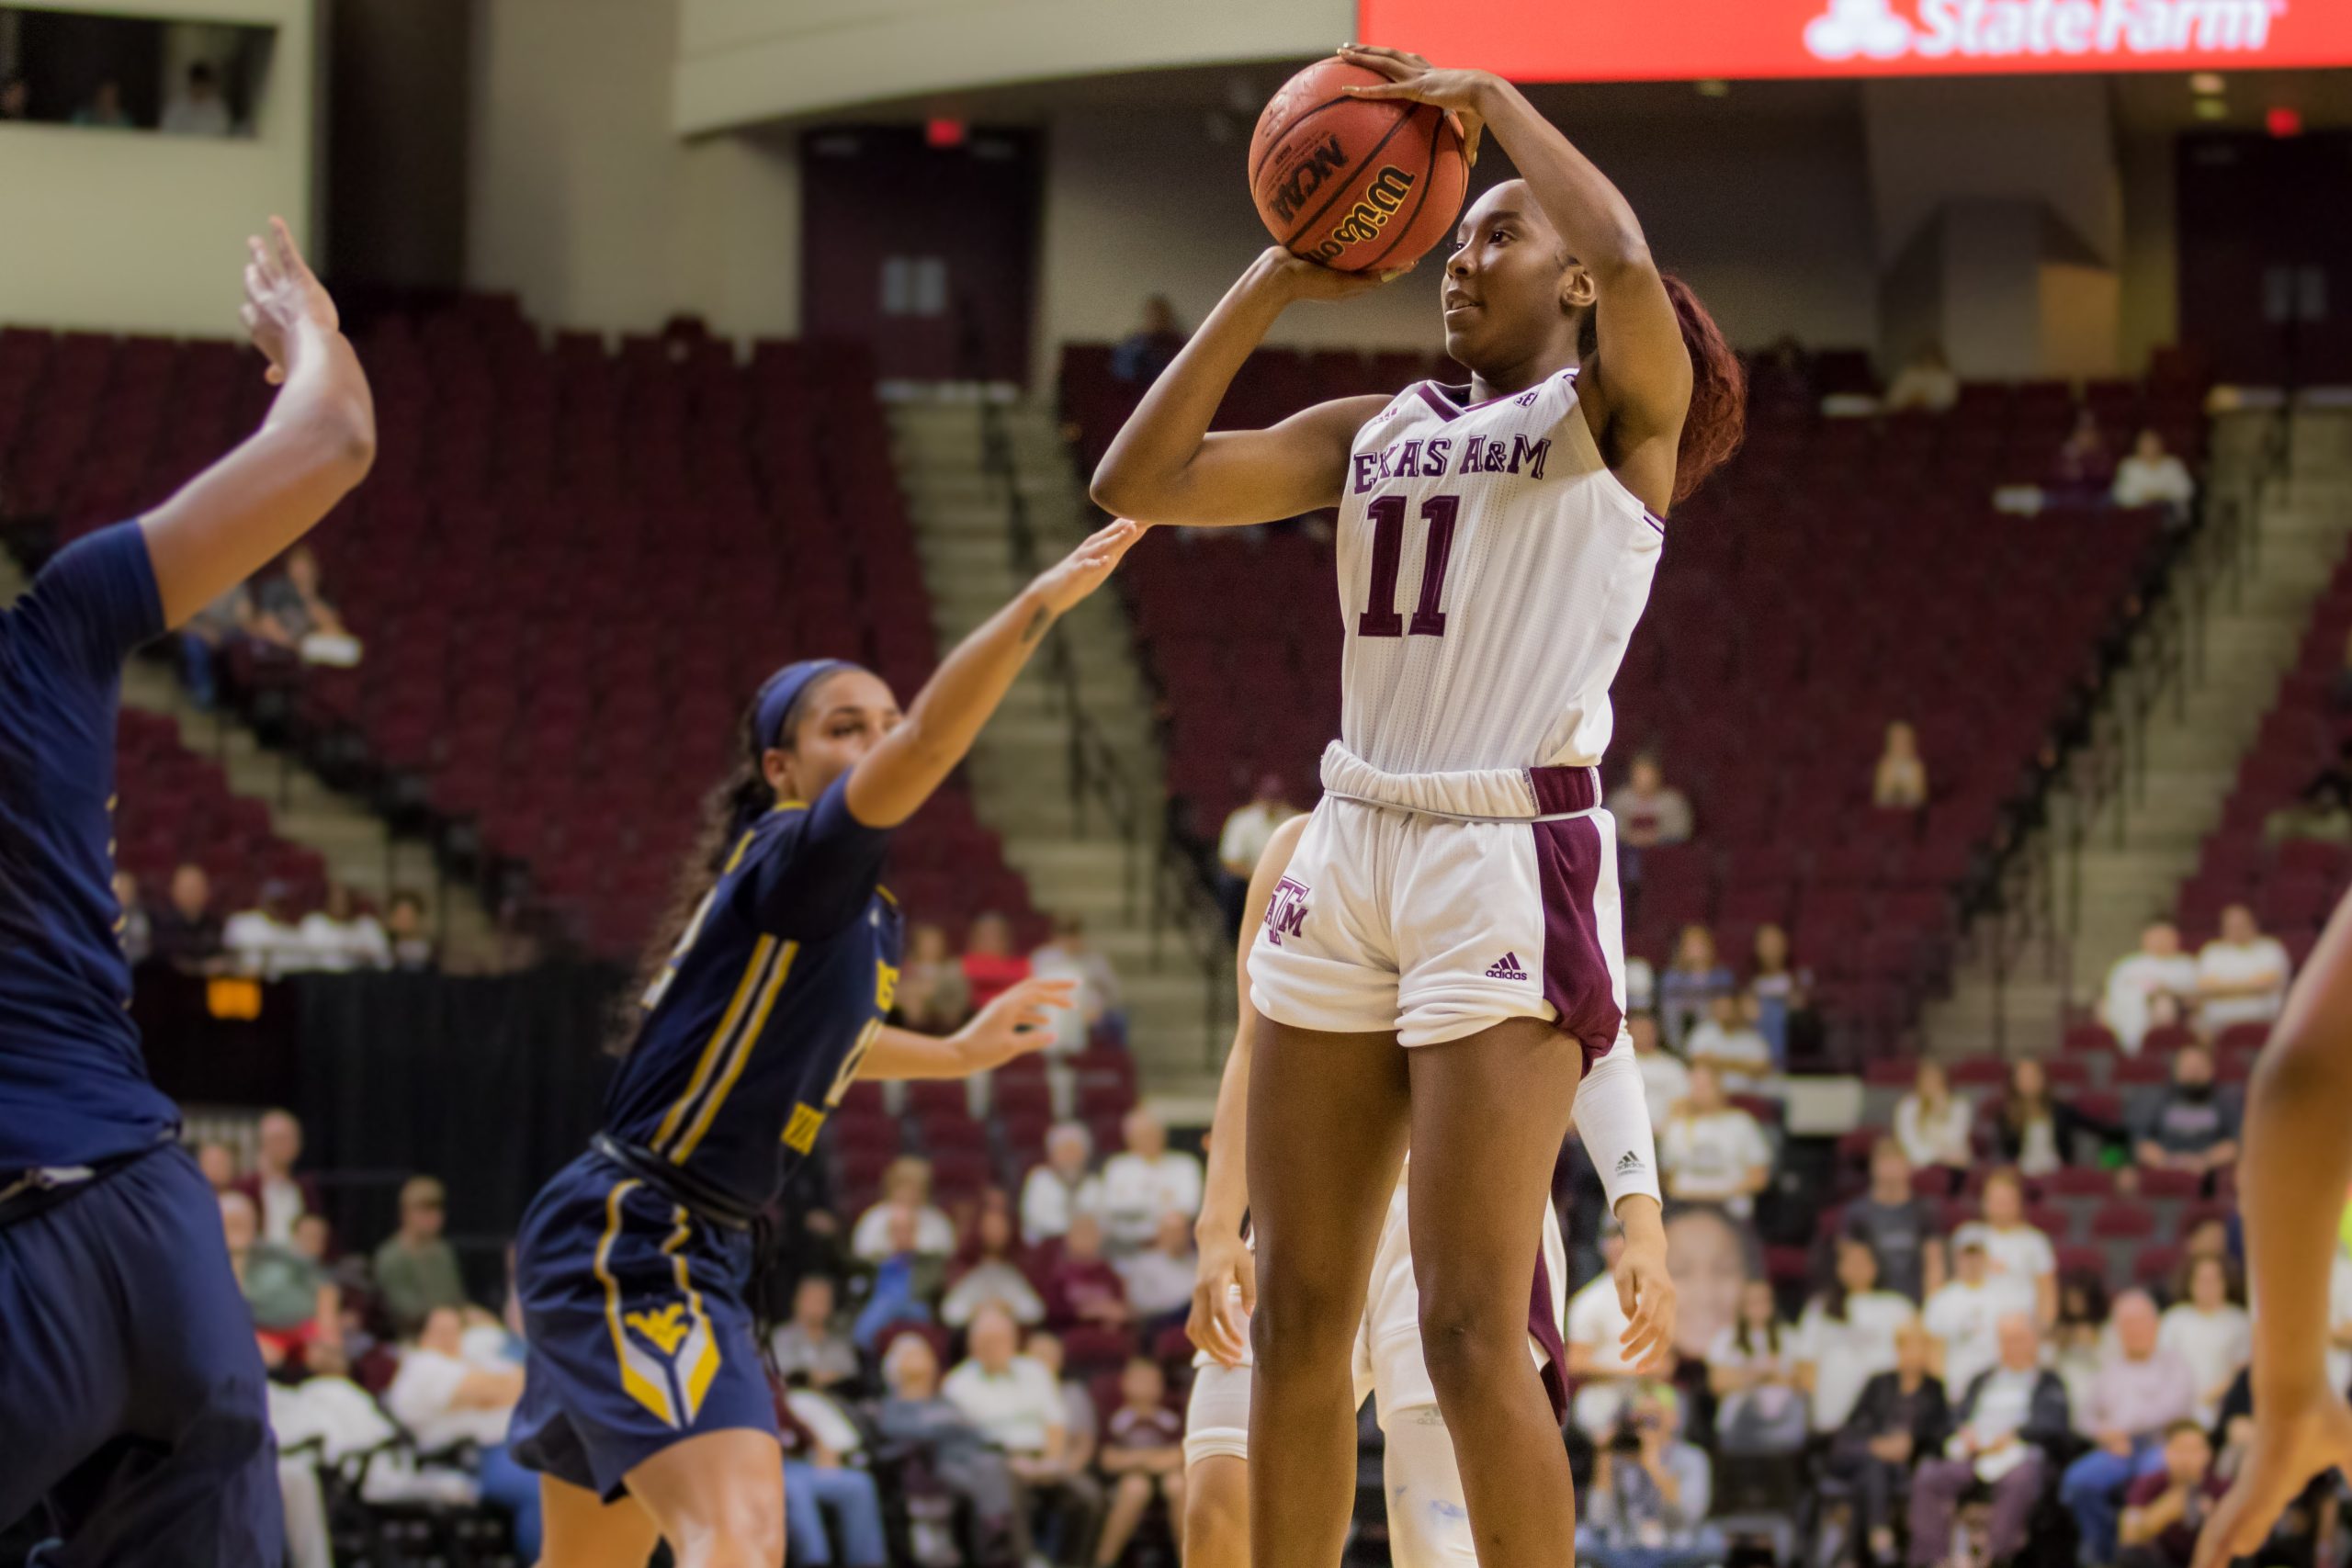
[1429, 1523]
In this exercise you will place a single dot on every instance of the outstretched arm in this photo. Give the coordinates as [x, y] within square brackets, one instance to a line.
[316, 445]
[892, 780]
[2297, 1167]
[1013, 1025]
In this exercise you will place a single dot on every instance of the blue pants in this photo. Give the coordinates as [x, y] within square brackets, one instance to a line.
[131, 1395]
[857, 1509]
[2092, 1490]
[516, 1490]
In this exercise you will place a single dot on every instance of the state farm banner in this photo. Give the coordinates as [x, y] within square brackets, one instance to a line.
[1619, 40]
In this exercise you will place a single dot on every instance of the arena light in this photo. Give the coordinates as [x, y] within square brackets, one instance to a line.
[944, 133]
[1714, 87]
[2212, 108]
[2283, 121]
[2207, 84]
[1541, 41]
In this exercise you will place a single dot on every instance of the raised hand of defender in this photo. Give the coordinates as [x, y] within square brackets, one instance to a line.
[1014, 1024]
[1218, 1323]
[284, 299]
[1087, 567]
[2290, 1446]
[1461, 94]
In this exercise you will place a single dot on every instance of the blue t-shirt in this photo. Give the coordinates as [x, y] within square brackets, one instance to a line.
[755, 1028]
[73, 1088]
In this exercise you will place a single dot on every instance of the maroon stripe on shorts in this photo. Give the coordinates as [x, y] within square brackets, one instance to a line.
[1559, 791]
[1576, 969]
[1544, 1327]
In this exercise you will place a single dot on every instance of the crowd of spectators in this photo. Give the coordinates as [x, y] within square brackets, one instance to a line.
[270, 941]
[2239, 978]
[939, 988]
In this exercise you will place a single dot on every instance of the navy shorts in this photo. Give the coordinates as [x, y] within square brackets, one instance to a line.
[639, 1334]
[131, 1392]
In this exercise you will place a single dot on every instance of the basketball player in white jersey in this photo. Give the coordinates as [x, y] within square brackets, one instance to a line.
[1455, 893]
[1428, 1524]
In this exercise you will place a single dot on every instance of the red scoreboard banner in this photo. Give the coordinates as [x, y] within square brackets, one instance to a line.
[1631, 40]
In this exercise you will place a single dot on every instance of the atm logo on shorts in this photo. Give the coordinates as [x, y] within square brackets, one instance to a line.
[1285, 911]
[1876, 29]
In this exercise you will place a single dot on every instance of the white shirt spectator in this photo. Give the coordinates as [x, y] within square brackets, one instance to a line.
[2162, 481]
[1243, 841]
[265, 947]
[826, 1420]
[2243, 963]
[1047, 1203]
[1742, 1056]
[2215, 1345]
[1666, 1083]
[1966, 1319]
[282, 1203]
[1935, 1138]
[192, 117]
[2016, 1258]
[1707, 1159]
[1136, 1191]
[2133, 985]
[870, 1242]
[423, 1398]
[339, 946]
[1072, 1025]
[1640, 984]
[1596, 1322]
[1158, 1284]
[2001, 1409]
[997, 1282]
[1014, 1408]
[1846, 1354]
[1923, 385]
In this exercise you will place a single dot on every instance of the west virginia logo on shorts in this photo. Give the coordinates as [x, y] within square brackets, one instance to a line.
[666, 1351]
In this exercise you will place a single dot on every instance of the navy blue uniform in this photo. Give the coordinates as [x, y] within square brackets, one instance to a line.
[131, 1388]
[633, 1262]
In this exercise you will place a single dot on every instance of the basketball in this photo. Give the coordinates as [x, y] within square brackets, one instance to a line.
[1357, 186]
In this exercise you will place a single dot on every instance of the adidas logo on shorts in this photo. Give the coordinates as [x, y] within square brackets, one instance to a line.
[1508, 969]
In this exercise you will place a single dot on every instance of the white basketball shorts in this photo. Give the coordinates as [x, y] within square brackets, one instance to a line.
[1437, 905]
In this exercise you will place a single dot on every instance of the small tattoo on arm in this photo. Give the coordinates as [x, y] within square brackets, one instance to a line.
[1037, 625]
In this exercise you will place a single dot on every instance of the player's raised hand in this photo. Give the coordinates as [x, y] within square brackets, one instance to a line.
[1645, 1293]
[1014, 1024]
[1462, 94]
[284, 299]
[2290, 1446]
[1219, 1324]
[1087, 567]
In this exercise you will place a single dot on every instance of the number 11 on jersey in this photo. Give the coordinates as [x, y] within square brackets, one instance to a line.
[1380, 617]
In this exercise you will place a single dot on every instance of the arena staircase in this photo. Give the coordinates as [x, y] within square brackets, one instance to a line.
[1054, 802]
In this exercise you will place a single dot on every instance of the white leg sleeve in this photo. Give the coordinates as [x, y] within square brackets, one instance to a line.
[1429, 1524]
[1614, 1119]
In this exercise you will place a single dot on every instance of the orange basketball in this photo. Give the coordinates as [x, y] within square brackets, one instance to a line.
[1358, 186]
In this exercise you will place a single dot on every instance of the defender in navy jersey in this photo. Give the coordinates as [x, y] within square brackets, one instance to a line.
[130, 1386]
[646, 1406]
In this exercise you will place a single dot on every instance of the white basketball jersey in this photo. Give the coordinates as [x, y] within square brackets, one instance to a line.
[1491, 570]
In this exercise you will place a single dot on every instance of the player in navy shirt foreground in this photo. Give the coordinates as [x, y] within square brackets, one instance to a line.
[130, 1386]
[646, 1407]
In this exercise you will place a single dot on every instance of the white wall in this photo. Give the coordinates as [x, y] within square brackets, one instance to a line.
[118, 232]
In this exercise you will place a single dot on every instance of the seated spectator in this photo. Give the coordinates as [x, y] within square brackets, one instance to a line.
[2241, 975]
[1925, 385]
[199, 110]
[342, 937]
[449, 1392]
[1752, 1372]
[2007, 1424]
[1078, 1403]
[2194, 1127]
[1782, 993]
[1650, 1494]
[1711, 1257]
[1729, 1042]
[1641, 984]
[932, 995]
[2016, 1253]
[810, 1345]
[905, 1189]
[1083, 1286]
[185, 932]
[2212, 1333]
[1143, 1456]
[222, 624]
[1901, 1417]
[2151, 476]
[219, 1163]
[990, 1271]
[294, 1304]
[1603, 1379]
[1139, 358]
[1146, 1181]
[1665, 1082]
[416, 1269]
[138, 935]
[1017, 1405]
[104, 110]
[2139, 979]
[1242, 842]
[294, 608]
[991, 966]
[279, 1196]
[413, 950]
[953, 1454]
[314, 1238]
[2036, 1130]
[1847, 1336]
[1687, 992]
[1062, 1187]
[2084, 467]
[901, 1285]
[1068, 957]
[1160, 1279]
[1934, 1125]
[16, 98]
[1713, 1152]
[1901, 1228]
[2081, 1343]
[264, 941]
[1648, 810]
[816, 1482]
[1899, 781]
[2165, 1509]
[2141, 1388]
[1964, 1317]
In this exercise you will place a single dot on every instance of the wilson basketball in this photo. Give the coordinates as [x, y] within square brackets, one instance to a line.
[1358, 186]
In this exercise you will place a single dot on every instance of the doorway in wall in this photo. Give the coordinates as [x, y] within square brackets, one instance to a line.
[2265, 256]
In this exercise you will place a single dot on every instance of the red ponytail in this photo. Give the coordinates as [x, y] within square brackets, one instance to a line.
[1717, 421]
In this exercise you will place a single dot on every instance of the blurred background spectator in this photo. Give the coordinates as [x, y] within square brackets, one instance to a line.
[1017, 1405]
[1711, 1151]
[265, 941]
[412, 949]
[342, 936]
[1651, 1493]
[2141, 1389]
[1899, 781]
[905, 1190]
[456, 1399]
[2165, 1509]
[280, 1196]
[2242, 975]
[186, 932]
[104, 112]
[138, 934]
[1069, 957]
[2150, 476]
[1903, 1230]
[1728, 1040]
[1061, 1187]
[2193, 1126]
[2008, 1424]
[2212, 1333]
[1648, 810]
[1083, 1287]
[1847, 1336]
[934, 997]
[1901, 1417]
[1760, 1403]
[416, 1269]
[1934, 1125]
[1145, 1180]
[1665, 1082]
[1687, 992]
[989, 1270]
[1139, 358]
[1242, 844]
[2157, 974]
[198, 110]
[991, 966]
[2017, 1253]
[1927, 384]
[1159, 1279]
[956, 1458]
[811, 1347]
[295, 1305]
[1963, 1315]
[1143, 1458]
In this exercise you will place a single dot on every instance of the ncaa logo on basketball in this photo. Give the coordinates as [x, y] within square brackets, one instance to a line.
[1285, 911]
[1306, 176]
[1876, 29]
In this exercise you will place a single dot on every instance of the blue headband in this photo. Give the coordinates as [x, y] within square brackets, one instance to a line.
[782, 690]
